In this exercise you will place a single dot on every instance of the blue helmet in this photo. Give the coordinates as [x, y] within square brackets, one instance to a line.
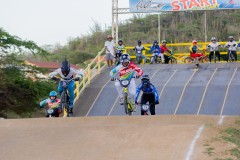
[53, 94]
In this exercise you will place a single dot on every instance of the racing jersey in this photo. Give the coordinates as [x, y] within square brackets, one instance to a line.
[138, 49]
[164, 48]
[126, 72]
[194, 48]
[150, 89]
[155, 49]
[73, 72]
[50, 103]
[120, 49]
[213, 46]
[232, 46]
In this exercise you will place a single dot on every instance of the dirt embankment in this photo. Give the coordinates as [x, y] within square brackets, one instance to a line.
[90, 138]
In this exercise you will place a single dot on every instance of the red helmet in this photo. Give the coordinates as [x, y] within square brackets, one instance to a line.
[194, 41]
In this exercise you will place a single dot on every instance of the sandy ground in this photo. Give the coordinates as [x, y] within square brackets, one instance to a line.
[118, 137]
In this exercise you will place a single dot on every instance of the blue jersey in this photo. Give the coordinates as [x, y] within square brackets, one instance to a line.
[150, 89]
[156, 49]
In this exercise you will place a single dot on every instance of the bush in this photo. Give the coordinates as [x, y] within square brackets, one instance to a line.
[20, 95]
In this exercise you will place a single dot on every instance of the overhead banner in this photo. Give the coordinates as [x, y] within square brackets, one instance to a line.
[181, 5]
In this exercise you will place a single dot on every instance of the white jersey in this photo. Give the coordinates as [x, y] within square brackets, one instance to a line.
[73, 72]
[213, 46]
[231, 48]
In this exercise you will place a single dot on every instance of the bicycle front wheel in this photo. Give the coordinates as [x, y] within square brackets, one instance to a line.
[125, 103]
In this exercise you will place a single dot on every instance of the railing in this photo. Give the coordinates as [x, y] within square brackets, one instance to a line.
[94, 68]
[178, 55]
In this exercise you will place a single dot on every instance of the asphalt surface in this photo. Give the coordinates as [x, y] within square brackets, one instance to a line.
[213, 89]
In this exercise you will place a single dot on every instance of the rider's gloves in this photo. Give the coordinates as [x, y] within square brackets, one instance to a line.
[55, 78]
[137, 76]
[234, 45]
[77, 79]
[208, 46]
[156, 102]
[136, 102]
[113, 79]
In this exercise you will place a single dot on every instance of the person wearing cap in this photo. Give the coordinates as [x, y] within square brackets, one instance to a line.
[110, 50]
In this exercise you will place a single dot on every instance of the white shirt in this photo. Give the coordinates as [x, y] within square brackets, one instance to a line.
[110, 46]
[231, 48]
[73, 72]
[214, 46]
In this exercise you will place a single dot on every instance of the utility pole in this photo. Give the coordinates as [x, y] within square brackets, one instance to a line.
[115, 20]
[205, 19]
[159, 27]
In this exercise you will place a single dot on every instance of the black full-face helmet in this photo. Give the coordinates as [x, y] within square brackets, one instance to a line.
[65, 67]
[145, 80]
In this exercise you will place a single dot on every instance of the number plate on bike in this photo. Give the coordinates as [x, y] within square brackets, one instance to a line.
[50, 111]
[145, 107]
[124, 82]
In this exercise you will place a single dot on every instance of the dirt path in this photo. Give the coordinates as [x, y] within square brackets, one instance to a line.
[118, 138]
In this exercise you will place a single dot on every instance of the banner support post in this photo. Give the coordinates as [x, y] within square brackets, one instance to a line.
[159, 27]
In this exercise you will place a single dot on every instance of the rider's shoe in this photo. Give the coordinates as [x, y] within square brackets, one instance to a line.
[70, 110]
[121, 101]
[197, 65]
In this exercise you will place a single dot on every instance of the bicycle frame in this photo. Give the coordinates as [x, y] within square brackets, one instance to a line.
[65, 98]
[190, 59]
[128, 106]
[230, 56]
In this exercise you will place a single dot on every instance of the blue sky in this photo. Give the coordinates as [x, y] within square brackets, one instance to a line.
[55, 21]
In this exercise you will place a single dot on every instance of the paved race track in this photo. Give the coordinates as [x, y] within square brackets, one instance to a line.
[213, 89]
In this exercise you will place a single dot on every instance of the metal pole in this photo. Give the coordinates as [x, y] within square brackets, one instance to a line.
[159, 27]
[205, 19]
[113, 24]
[116, 21]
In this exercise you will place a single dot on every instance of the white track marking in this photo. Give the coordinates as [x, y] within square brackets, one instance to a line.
[205, 91]
[220, 122]
[118, 97]
[224, 101]
[184, 91]
[97, 98]
[113, 106]
[167, 83]
[191, 148]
